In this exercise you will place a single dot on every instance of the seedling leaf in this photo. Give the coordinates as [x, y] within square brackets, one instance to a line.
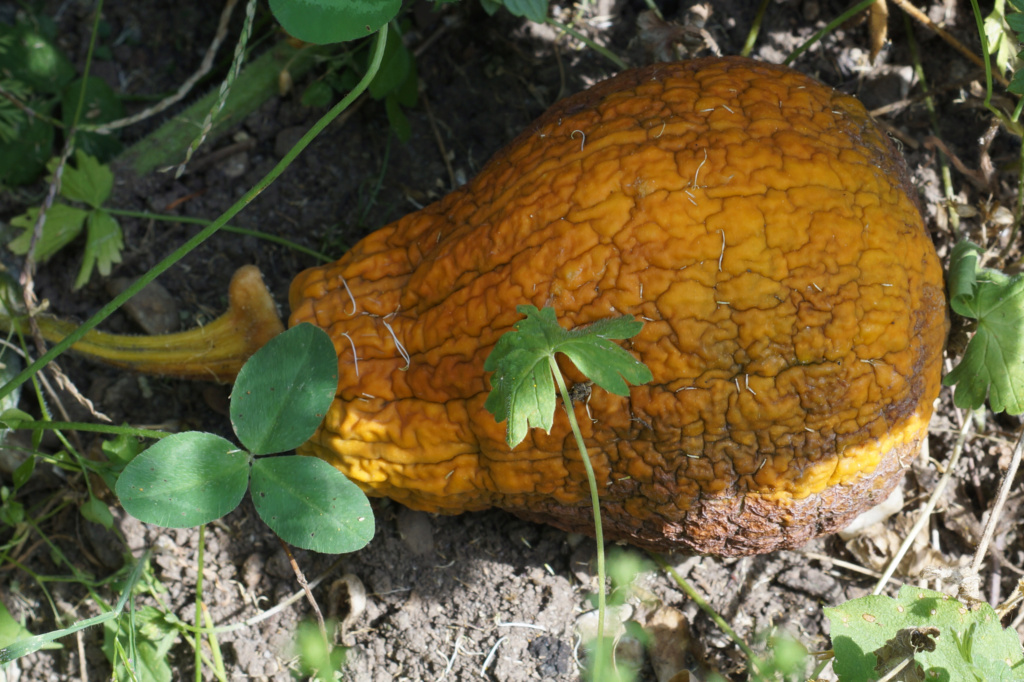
[103, 246]
[184, 480]
[947, 639]
[993, 363]
[63, 224]
[522, 385]
[311, 505]
[284, 390]
[88, 181]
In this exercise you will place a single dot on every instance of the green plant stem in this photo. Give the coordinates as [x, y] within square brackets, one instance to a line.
[685, 586]
[112, 429]
[983, 37]
[755, 29]
[208, 231]
[595, 501]
[603, 51]
[88, 63]
[30, 644]
[831, 26]
[265, 236]
[218, 659]
[199, 605]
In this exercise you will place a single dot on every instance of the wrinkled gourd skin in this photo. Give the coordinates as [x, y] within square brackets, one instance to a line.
[764, 229]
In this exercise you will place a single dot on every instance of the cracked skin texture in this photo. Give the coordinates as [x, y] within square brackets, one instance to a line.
[763, 227]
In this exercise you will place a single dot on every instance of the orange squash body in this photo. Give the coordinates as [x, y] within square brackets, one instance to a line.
[764, 229]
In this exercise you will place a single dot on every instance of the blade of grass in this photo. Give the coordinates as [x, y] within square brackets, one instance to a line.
[27, 646]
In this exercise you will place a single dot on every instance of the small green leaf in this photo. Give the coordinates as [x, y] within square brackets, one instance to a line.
[311, 505]
[867, 631]
[63, 223]
[94, 510]
[534, 10]
[12, 417]
[88, 180]
[394, 67]
[522, 387]
[993, 363]
[23, 472]
[315, 659]
[184, 480]
[333, 21]
[317, 95]
[103, 246]
[10, 630]
[122, 449]
[12, 512]
[1016, 21]
[284, 390]
[32, 58]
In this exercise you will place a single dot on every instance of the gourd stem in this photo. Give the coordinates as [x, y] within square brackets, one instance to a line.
[595, 501]
[215, 351]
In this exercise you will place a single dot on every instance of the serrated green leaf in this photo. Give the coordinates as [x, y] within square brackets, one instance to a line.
[522, 387]
[283, 392]
[311, 505]
[993, 363]
[103, 246]
[63, 223]
[184, 480]
[88, 180]
[971, 644]
[333, 21]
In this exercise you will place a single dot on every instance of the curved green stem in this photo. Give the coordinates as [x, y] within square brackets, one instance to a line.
[831, 26]
[755, 662]
[603, 51]
[211, 229]
[596, 503]
[265, 236]
[112, 429]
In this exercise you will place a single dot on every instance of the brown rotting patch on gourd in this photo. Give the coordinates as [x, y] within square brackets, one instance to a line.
[759, 223]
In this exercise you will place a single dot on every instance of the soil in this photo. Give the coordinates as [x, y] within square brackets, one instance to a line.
[482, 595]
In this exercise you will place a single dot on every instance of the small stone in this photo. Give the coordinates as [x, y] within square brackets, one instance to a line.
[153, 308]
